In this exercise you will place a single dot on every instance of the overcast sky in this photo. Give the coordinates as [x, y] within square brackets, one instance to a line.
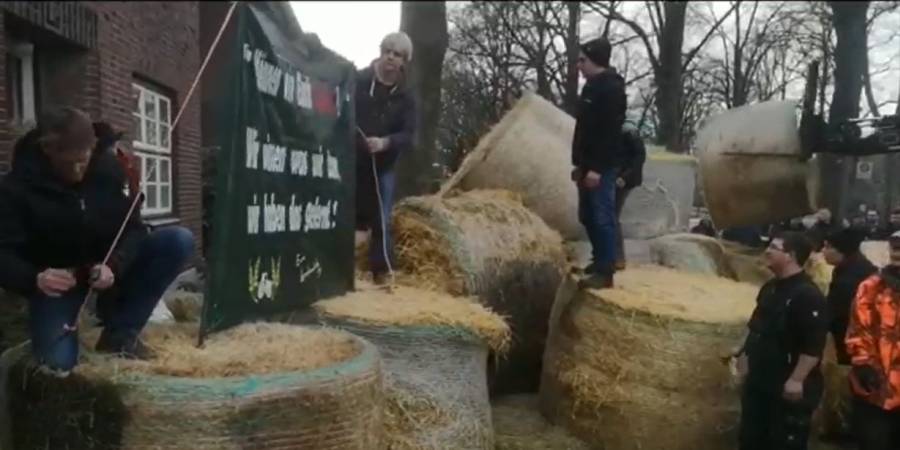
[354, 29]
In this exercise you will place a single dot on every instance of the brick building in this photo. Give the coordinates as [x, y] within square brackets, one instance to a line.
[128, 63]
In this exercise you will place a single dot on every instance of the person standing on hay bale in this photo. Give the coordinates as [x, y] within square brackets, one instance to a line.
[851, 268]
[386, 120]
[873, 342]
[631, 175]
[779, 360]
[61, 208]
[596, 147]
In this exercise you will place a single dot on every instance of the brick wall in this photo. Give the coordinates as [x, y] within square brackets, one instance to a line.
[154, 42]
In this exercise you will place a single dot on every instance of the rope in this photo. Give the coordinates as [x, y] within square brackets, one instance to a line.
[91, 294]
[384, 248]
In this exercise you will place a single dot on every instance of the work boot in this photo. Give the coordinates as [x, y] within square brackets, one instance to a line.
[380, 278]
[589, 269]
[597, 281]
[123, 347]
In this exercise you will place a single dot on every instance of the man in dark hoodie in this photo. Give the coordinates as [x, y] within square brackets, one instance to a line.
[61, 208]
[596, 148]
[386, 119]
[851, 268]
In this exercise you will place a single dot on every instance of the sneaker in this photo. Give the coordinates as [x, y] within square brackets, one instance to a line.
[132, 348]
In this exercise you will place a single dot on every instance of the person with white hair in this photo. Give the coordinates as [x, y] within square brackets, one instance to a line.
[386, 122]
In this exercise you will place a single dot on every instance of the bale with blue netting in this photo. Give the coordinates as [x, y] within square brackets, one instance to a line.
[435, 350]
[257, 386]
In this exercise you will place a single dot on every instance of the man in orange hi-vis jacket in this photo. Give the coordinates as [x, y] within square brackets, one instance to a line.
[873, 342]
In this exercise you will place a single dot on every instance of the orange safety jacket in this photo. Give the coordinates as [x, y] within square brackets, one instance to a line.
[873, 339]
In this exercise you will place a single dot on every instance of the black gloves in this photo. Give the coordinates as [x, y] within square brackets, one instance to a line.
[867, 377]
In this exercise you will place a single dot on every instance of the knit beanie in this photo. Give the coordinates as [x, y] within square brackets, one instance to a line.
[598, 51]
[846, 240]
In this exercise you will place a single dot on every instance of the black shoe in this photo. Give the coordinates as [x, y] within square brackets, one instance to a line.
[597, 281]
[589, 269]
[127, 348]
[380, 278]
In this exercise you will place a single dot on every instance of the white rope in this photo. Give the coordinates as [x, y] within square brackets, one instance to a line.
[91, 292]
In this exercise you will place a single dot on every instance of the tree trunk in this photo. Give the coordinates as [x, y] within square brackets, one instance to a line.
[867, 86]
[849, 19]
[668, 77]
[572, 42]
[426, 25]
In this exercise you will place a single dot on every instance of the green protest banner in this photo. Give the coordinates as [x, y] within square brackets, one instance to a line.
[282, 233]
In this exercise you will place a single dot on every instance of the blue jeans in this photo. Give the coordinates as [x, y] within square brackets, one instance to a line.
[381, 245]
[597, 212]
[160, 258]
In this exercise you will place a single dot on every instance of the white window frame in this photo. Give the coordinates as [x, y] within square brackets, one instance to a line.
[23, 85]
[154, 150]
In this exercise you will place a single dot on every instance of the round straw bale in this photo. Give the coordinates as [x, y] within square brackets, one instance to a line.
[488, 245]
[434, 348]
[518, 425]
[639, 365]
[528, 152]
[706, 255]
[258, 386]
[751, 168]
[691, 253]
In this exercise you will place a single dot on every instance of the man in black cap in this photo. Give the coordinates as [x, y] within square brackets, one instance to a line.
[851, 267]
[596, 147]
[779, 360]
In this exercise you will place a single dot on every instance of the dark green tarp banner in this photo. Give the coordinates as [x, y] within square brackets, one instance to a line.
[282, 231]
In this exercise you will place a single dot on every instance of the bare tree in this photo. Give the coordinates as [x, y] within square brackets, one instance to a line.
[850, 27]
[664, 47]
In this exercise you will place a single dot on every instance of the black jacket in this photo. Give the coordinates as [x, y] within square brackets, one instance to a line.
[392, 116]
[634, 155]
[47, 224]
[789, 320]
[845, 280]
[597, 143]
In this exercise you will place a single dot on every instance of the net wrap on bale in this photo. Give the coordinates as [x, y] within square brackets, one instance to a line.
[487, 244]
[338, 406]
[633, 367]
[435, 349]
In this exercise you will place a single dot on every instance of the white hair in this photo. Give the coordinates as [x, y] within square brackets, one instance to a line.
[400, 42]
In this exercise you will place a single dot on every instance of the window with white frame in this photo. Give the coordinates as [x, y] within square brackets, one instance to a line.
[20, 76]
[153, 147]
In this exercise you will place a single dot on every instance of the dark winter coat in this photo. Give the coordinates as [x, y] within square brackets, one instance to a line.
[845, 281]
[45, 223]
[597, 143]
[383, 112]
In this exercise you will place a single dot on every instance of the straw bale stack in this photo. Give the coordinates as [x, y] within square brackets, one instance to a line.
[488, 245]
[257, 386]
[639, 365]
[435, 350]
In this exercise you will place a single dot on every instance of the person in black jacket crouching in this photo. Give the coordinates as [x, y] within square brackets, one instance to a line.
[596, 149]
[61, 207]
